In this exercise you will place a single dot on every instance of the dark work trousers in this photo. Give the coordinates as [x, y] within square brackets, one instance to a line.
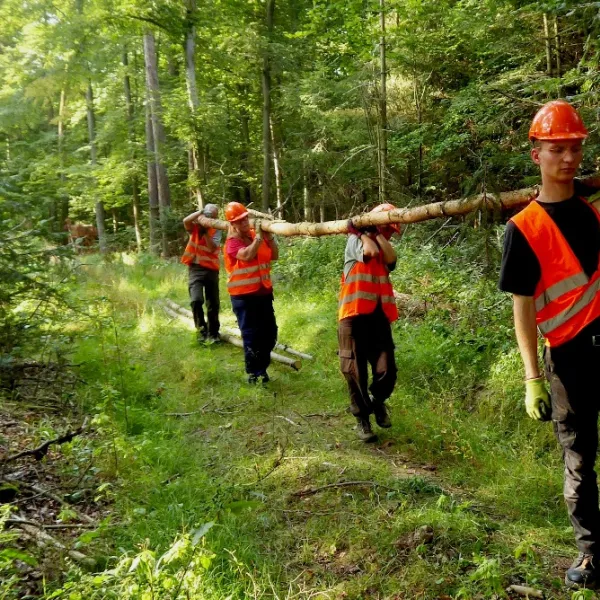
[256, 320]
[203, 285]
[572, 370]
[367, 340]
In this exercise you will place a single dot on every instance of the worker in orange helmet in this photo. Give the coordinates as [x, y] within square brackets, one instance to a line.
[248, 255]
[366, 310]
[551, 267]
[202, 258]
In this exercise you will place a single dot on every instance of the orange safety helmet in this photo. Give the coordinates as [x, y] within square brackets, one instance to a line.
[384, 208]
[557, 120]
[235, 211]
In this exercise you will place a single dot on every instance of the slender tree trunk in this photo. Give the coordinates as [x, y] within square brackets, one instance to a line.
[115, 219]
[557, 46]
[306, 193]
[548, 47]
[99, 207]
[154, 213]
[245, 155]
[383, 150]
[64, 198]
[277, 170]
[194, 102]
[134, 180]
[164, 197]
[266, 89]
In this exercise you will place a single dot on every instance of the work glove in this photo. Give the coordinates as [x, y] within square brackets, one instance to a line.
[258, 229]
[537, 401]
[353, 230]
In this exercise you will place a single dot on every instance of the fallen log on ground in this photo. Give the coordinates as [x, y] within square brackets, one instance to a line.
[416, 214]
[186, 312]
[290, 362]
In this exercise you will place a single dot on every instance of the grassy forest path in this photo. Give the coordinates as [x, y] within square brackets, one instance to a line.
[451, 502]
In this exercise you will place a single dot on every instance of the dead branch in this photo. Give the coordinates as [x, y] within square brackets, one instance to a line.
[528, 592]
[53, 526]
[41, 451]
[288, 420]
[42, 492]
[185, 414]
[324, 415]
[339, 484]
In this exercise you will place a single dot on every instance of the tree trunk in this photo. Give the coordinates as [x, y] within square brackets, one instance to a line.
[306, 193]
[115, 219]
[383, 150]
[64, 202]
[134, 180]
[194, 102]
[548, 47]
[164, 197]
[266, 89]
[277, 169]
[245, 155]
[451, 208]
[99, 207]
[154, 214]
[556, 46]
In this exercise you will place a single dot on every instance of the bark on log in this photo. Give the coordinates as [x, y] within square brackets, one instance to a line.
[179, 313]
[416, 214]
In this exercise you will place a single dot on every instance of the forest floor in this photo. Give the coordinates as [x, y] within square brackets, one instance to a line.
[454, 501]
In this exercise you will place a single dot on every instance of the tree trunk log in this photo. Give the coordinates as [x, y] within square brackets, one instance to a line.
[451, 208]
[179, 312]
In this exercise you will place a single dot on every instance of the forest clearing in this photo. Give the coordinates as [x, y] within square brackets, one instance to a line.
[385, 190]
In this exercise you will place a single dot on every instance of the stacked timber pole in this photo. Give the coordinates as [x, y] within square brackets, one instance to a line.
[451, 208]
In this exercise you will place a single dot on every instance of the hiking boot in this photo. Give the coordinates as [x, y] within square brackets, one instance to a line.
[382, 418]
[583, 572]
[265, 378]
[364, 431]
[252, 379]
[201, 336]
[213, 339]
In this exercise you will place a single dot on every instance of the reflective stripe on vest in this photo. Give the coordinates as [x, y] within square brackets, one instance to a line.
[246, 277]
[566, 299]
[197, 252]
[367, 285]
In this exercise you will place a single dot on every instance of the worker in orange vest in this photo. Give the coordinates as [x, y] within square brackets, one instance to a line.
[248, 255]
[366, 310]
[551, 266]
[202, 258]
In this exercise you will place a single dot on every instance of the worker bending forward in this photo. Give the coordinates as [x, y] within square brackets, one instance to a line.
[202, 258]
[248, 256]
[366, 309]
[551, 266]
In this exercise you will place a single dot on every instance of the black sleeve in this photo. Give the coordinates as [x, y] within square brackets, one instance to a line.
[520, 271]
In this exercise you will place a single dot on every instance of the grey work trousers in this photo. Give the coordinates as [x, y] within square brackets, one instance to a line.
[572, 370]
[203, 285]
[366, 340]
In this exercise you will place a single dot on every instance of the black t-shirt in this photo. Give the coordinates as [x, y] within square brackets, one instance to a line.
[521, 272]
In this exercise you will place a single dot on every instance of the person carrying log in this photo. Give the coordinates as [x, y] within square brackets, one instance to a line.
[202, 258]
[366, 310]
[551, 266]
[248, 256]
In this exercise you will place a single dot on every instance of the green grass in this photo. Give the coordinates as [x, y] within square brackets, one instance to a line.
[494, 499]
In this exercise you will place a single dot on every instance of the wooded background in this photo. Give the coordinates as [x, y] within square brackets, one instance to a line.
[132, 113]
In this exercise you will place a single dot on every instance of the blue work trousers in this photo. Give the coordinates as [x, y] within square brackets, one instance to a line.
[256, 320]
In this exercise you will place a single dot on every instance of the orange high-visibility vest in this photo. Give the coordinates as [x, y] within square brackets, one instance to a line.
[246, 277]
[566, 299]
[367, 284]
[197, 252]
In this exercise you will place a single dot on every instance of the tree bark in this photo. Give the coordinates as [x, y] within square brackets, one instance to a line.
[135, 195]
[194, 102]
[383, 149]
[306, 193]
[64, 201]
[266, 89]
[154, 214]
[556, 46]
[99, 206]
[158, 131]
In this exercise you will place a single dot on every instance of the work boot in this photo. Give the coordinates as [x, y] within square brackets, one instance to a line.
[265, 378]
[582, 572]
[201, 336]
[213, 339]
[363, 428]
[382, 418]
[252, 379]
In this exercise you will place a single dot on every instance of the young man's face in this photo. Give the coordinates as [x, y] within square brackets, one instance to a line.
[558, 159]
